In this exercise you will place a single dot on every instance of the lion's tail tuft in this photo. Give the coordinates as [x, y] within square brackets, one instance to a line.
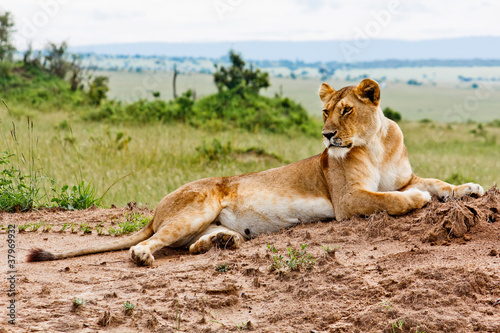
[39, 255]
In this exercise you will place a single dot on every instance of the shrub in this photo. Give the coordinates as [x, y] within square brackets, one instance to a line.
[98, 89]
[392, 114]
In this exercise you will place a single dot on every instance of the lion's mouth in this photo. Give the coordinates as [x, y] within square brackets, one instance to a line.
[339, 145]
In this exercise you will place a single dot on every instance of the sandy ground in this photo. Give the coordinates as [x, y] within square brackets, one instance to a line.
[434, 270]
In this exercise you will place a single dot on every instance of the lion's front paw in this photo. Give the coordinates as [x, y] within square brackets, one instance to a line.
[141, 255]
[461, 191]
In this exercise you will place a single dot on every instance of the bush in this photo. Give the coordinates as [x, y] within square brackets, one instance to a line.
[253, 112]
[392, 114]
[98, 89]
[224, 110]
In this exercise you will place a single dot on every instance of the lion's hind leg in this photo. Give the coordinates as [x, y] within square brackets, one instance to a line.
[179, 217]
[215, 235]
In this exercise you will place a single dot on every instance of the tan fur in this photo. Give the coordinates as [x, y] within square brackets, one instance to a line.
[364, 169]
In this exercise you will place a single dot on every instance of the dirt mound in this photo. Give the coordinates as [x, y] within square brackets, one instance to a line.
[436, 269]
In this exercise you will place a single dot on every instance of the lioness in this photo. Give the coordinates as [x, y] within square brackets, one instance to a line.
[364, 169]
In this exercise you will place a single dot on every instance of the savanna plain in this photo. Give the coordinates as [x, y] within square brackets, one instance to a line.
[434, 270]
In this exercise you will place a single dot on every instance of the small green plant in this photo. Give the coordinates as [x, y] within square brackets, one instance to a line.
[332, 251]
[79, 302]
[73, 228]
[23, 227]
[133, 222]
[128, 307]
[47, 227]
[100, 228]
[222, 268]
[244, 326]
[87, 229]
[398, 325]
[35, 226]
[297, 259]
[65, 225]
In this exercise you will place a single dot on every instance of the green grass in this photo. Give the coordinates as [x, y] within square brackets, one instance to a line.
[159, 158]
[81, 196]
[133, 222]
[453, 153]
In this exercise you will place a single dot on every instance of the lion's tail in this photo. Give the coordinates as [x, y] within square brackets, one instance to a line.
[119, 244]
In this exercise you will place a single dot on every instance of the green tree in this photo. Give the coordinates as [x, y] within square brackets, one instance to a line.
[98, 89]
[55, 55]
[6, 30]
[77, 73]
[239, 79]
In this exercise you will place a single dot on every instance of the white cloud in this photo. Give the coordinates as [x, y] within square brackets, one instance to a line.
[100, 22]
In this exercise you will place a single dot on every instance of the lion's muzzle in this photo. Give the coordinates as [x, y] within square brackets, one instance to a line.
[331, 141]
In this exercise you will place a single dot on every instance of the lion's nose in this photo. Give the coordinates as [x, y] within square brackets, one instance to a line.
[329, 135]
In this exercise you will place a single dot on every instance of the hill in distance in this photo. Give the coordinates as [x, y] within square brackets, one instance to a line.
[312, 51]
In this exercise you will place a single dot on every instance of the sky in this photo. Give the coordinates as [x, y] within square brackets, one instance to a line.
[92, 22]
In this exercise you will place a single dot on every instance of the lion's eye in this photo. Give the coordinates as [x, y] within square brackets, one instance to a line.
[346, 110]
[325, 112]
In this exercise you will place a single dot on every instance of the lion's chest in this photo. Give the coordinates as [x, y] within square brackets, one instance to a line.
[265, 213]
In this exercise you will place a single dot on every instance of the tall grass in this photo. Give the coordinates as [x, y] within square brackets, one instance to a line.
[23, 182]
[19, 176]
[158, 158]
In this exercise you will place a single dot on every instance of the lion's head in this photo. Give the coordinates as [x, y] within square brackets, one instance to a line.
[351, 116]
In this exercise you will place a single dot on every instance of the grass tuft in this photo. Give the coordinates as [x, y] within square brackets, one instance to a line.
[133, 222]
[296, 260]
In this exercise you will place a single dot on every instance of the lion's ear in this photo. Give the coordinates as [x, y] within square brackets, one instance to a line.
[368, 91]
[325, 92]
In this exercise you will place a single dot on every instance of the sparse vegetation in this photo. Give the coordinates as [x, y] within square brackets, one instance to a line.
[85, 228]
[296, 260]
[133, 222]
[23, 227]
[222, 268]
[398, 325]
[100, 229]
[79, 302]
[128, 307]
[330, 252]
[244, 326]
